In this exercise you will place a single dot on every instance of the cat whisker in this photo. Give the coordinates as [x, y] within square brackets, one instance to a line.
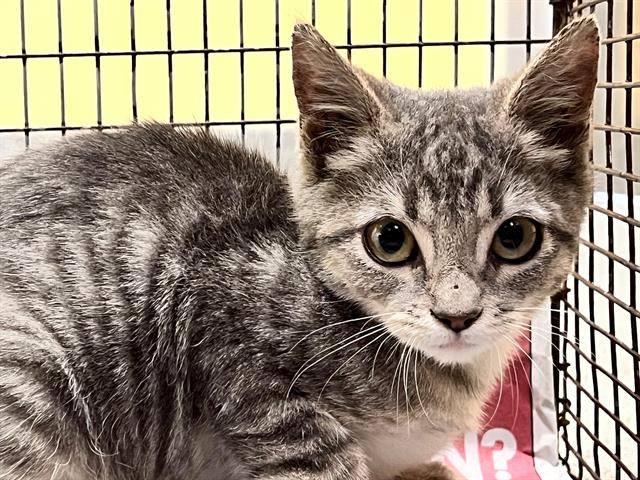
[511, 374]
[335, 324]
[398, 373]
[390, 334]
[504, 360]
[541, 336]
[335, 372]
[527, 323]
[327, 348]
[515, 344]
[406, 381]
[385, 333]
[527, 376]
[358, 336]
[415, 377]
[375, 357]
[540, 333]
[495, 408]
[545, 335]
[393, 351]
[336, 344]
[532, 328]
[512, 368]
[530, 340]
[540, 309]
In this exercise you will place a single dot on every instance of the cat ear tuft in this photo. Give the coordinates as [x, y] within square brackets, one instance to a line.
[554, 93]
[335, 104]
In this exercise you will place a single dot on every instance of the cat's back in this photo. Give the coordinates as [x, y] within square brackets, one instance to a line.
[102, 241]
[93, 220]
[152, 168]
[102, 210]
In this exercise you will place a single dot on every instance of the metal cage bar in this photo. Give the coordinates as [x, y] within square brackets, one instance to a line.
[590, 386]
[584, 402]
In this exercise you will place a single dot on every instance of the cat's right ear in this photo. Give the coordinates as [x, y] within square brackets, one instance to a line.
[334, 102]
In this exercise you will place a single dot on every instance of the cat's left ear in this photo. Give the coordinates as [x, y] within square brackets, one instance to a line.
[553, 95]
[336, 105]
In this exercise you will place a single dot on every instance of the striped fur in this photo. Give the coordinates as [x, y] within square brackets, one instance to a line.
[172, 307]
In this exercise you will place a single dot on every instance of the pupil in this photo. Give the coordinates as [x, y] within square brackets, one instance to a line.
[511, 235]
[391, 237]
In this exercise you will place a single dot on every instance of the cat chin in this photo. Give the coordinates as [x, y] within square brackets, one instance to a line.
[490, 358]
[454, 353]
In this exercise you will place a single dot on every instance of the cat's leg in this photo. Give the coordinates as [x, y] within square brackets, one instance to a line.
[297, 442]
[430, 471]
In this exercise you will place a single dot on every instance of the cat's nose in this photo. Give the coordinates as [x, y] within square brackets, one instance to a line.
[458, 321]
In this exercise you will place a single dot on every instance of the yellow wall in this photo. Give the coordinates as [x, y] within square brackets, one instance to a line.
[43, 75]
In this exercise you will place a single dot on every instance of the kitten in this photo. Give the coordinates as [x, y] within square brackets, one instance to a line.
[173, 309]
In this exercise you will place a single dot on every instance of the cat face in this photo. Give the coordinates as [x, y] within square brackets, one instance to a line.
[448, 215]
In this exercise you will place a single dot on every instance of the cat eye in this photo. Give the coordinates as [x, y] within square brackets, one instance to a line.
[517, 240]
[389, 242]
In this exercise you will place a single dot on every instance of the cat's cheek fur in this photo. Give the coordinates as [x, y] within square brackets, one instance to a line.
[355, 275]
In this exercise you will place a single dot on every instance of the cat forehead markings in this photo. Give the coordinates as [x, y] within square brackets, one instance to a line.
[519, 199]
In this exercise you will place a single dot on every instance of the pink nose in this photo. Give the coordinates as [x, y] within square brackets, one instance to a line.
[458, 321]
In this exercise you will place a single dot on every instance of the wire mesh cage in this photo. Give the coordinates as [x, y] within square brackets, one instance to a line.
[70, 65]
[597, 378]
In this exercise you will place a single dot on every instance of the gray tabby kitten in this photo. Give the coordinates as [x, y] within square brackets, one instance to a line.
[172, 308]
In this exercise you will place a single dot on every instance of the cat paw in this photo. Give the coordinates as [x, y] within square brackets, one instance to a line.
[430, 471]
